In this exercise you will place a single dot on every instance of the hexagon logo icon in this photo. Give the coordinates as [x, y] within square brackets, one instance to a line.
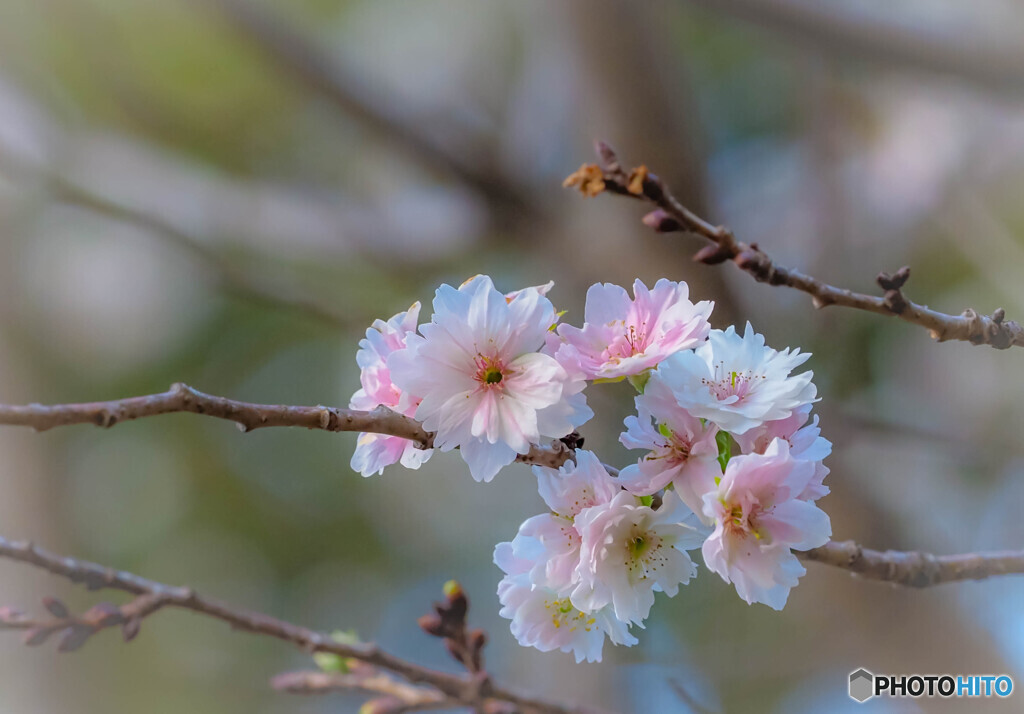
[862, 685]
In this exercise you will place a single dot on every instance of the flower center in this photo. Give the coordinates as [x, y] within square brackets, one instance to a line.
[492, 375]
[676, 448]
[489, 371]
[644, 555]
[732, 383]
[637, 546]
[635, 340]
[743, 523]
[632, 342]
[563, 614]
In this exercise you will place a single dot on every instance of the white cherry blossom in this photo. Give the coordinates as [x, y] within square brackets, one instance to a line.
[737, 382]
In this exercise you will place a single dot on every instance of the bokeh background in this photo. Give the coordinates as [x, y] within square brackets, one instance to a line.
[228, 193]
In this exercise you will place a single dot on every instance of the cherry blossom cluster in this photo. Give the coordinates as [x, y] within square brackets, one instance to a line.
[731, 463]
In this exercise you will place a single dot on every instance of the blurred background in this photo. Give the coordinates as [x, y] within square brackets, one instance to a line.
[227, 193]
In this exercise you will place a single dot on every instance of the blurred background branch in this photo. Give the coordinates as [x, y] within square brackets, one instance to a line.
[847, 33]
[471, 691]
[297, 56]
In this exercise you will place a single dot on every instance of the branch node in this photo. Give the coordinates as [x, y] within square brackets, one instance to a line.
[895, 301]
[753, 261]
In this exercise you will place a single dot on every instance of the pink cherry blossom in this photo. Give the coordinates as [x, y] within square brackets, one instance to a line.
[576, 486]
[622, 337]
[737, 382]
[759, 520]
[805, 442]
[629, 551]
[567, 491]
[681, 448]
[483, 385]
[544, 618]
[375, 451]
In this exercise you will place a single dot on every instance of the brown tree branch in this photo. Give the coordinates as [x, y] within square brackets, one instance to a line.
[76, 630]
[469, 690]
[913, 568]
[396, 695]
[671, 216]
[183, 398]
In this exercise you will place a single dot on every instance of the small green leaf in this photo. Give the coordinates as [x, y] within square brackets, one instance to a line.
[647, 500]
[330, 662]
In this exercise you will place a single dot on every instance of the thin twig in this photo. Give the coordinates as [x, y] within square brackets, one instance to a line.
[248, 416]
[671, 216]
[468, 690]
[404, 697]
[915, 569]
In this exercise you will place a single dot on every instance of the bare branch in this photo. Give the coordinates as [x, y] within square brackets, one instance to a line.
[915, 569]
[183, 398]
[470, 690]
[398, 695]
[76, 630]
[671, 216]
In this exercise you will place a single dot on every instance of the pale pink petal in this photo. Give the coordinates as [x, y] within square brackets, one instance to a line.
[486, 460]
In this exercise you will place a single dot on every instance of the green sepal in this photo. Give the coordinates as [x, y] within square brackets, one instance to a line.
[724, 441]
[639, 381]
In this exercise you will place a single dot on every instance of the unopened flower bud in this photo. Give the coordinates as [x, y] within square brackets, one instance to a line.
[661, 222]
[711, 254]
